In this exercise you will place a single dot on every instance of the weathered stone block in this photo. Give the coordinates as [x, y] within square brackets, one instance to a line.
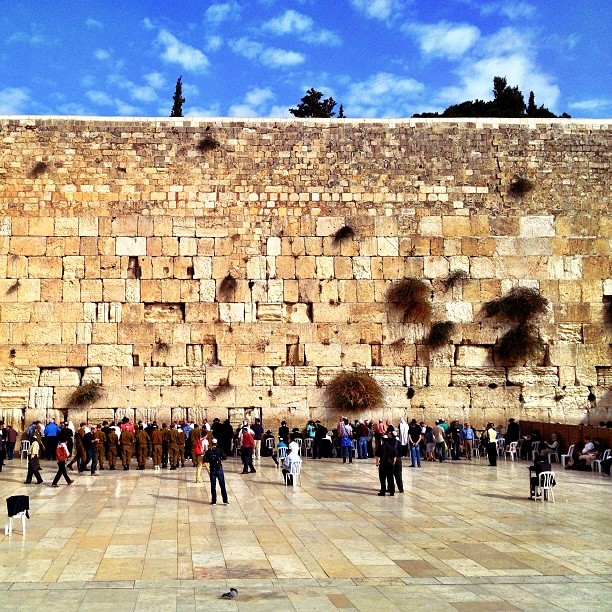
[475, 356]
[464, 376]
[540, 376]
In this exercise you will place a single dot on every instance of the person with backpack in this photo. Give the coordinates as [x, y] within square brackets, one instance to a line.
[214, 457]
[200, 447]
[61, 455]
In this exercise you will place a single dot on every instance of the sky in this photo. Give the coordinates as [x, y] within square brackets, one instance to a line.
[257, 58]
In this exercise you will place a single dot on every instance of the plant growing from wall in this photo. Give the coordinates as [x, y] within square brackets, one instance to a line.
[38, 169]
[86, 394]
[353, 390]
[454, 278]
[519, 305]
[440, 334]
[520, 185]
[346, 232]
[520, 342]
[410, 297]
[227, 287]
[208, 143]
[13, 288]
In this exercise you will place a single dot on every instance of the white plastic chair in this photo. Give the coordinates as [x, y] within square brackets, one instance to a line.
[501, 446]
[511, 450]
[568, 455]
[270, 443]
[299, 442]
[596, 463]
[295, 472]
[281, 453]
[544, 488]
[25, 449]
[308, 447]
[237, 447]
[8, 530]
[535, 450]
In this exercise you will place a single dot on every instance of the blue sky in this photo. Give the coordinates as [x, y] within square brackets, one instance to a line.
[256, 58]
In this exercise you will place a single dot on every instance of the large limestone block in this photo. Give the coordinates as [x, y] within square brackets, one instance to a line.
[41, 398]
[534, 226]
[389, 376]
[328, 226]
[60, 377]
[459, 312]
[284, 376]
[96, 416]
[356, 355]
[534, 376]
[297, 313]
[188, 376]
[158, 376]
[439, 376]
[108, 355]
[464, 376]
[230, 313]
[16, 378]
[475, 356]
[439, 402]
[14, 398]
[418, 376]
[330, 313]
[269, 312]
[306, 376]
[322, 354]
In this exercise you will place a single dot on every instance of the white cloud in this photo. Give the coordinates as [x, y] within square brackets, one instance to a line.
[148, 24]
[102, 54]
[216, 13]
[444, 39]
[246, 47]
[378, 9]
[302, 26]
[143, 93]
[100, 98]
[13, 100]
[177, 52]
[93, 24]
[592, 104]
[279, 58]
[383, 94]
[268, 56]
[279, 111]
[254, 103]
[155, 80]
[259, 96]
[72, 108]
[22, 37]
[213, 43]
[512, 10]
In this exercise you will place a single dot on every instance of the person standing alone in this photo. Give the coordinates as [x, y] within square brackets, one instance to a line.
[246, 450]
[386, 457]
[214, 457]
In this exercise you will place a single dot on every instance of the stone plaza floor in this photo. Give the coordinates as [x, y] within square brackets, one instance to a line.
[463, 536]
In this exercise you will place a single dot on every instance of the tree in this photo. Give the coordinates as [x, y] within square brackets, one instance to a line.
[341, 114]
[507, 102]
[177, 99]
[312, 106]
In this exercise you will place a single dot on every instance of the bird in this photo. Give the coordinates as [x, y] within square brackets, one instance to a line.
[231, 594]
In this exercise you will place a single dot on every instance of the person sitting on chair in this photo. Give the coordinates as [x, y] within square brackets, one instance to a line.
[292, 458]
[550, 448]
[540, 464]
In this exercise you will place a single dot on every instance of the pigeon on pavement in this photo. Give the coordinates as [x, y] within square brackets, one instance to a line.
[231, 594]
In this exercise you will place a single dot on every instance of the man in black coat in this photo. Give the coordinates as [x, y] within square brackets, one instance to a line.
[386, 456]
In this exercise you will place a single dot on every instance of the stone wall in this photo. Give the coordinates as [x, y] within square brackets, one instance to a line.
[116, 237]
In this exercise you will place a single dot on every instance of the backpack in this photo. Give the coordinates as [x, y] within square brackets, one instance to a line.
[214, 460]
[200, 447]
[61, 454]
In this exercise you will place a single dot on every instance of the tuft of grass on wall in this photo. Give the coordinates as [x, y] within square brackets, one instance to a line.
[353, 390]
[519, 305]
[14, 287]
[440, 334]
[520, 186]
[223, 386]
[227, 287]
[38, 169]
[346, 232]
[410, 297]
[454, 278]
[208, 143]
[86, 394]
[520, 343]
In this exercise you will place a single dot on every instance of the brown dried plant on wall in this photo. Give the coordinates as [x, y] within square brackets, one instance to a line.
[353, 390]
[410, 297]
[86, 394]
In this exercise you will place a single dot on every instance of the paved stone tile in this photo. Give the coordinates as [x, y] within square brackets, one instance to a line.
[463, 536]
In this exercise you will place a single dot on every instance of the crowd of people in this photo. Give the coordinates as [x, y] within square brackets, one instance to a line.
[109, 445]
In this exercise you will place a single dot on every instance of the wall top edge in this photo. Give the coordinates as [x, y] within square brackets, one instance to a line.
[197, 121]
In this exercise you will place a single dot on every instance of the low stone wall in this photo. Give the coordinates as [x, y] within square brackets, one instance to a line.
[116, 237]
